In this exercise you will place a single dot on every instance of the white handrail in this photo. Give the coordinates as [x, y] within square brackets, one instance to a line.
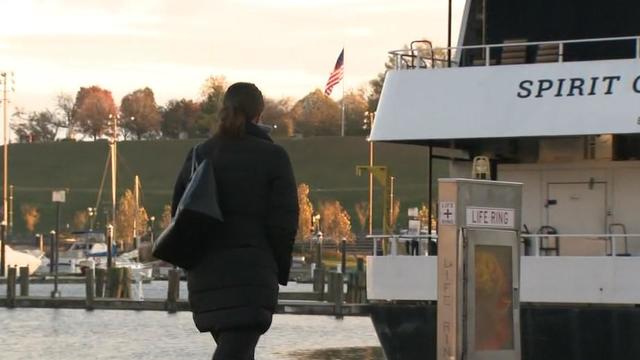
[579, 235]
[397, 238]
[487, 47]
[532, 43]
[600, 237]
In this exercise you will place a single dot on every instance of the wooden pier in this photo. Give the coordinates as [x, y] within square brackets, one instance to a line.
[296, 307]
[112, 291]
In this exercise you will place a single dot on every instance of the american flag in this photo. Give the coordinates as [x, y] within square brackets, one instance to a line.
[336, 75]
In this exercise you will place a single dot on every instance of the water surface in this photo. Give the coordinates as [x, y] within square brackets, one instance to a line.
[65, 334]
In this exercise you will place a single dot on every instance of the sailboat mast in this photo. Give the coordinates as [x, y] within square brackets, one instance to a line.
[114, 162]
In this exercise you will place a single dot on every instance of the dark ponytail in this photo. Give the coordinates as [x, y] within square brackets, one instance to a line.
[242, 102]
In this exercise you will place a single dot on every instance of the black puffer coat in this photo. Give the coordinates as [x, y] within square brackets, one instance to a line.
[236, 283]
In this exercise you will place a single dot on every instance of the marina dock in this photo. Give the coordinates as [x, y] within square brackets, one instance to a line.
[296, 307]
[112, 290]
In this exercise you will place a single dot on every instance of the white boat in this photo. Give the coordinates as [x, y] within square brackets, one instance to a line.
[20, 259]
[546, 93]
[71, 259]
[139, 271]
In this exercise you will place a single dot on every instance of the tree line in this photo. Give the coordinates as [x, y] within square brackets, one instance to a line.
[93, 110]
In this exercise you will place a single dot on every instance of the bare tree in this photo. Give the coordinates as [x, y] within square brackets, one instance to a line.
[35, 127]
[64, 108]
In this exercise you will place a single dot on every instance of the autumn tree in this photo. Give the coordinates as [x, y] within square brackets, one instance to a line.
[80, 219]
[423, 216]
[31, 216]
[362, 211]
[91, 110]
[212, 92]
[276, 114]
[306, 213]
[39, 126]
[139, 113]
[64, 109]
[355, 105]
[125, 219]
[165, 218]
[395, 212]
[180, 116]
[335, 221]
[316, 115]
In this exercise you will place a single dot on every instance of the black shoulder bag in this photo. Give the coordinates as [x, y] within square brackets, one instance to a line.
[183, 242]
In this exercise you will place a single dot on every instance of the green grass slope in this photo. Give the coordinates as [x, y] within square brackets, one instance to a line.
[327, 164]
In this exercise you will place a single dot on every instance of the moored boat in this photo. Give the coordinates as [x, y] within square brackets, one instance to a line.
[555, 108]
[21, 259]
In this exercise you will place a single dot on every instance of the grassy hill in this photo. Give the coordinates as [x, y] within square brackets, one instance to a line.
[327, 164]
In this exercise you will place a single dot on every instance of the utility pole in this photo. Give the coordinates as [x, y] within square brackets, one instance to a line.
[109, 246]
[10, 210]
[153, 220]
[54, 265]
[369, 118]
[58, 197]
[114, 163]
[3, 255]
[449, 34]
[136, 193]
[391, 200]
[5, 77]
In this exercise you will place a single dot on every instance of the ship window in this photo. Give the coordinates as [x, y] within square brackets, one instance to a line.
[626, 147]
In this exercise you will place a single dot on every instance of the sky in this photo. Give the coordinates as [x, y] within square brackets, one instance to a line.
[286, 47]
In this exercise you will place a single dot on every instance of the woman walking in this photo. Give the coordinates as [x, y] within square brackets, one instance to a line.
[233, 290]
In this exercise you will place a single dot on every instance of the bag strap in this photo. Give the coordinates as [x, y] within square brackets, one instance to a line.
[194, 162]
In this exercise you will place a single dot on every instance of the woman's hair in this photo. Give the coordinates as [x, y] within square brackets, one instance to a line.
[242, 102]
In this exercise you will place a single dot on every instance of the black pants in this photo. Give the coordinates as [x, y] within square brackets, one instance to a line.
[235, 344]
[415, 247]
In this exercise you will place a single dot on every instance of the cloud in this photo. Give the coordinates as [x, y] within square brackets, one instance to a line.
[358, 31]
[55, 18]
[300, 4]
[287, 46]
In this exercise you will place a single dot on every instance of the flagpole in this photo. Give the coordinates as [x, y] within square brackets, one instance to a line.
[343, 81]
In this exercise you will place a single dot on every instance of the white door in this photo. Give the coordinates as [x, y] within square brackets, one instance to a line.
[578, 208]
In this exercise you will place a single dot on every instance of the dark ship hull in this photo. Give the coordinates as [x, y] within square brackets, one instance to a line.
[548, 332]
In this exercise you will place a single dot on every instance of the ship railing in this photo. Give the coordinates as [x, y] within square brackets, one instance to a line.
[421, 55]
[533, 244]
[390, 244]
[598, 244]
